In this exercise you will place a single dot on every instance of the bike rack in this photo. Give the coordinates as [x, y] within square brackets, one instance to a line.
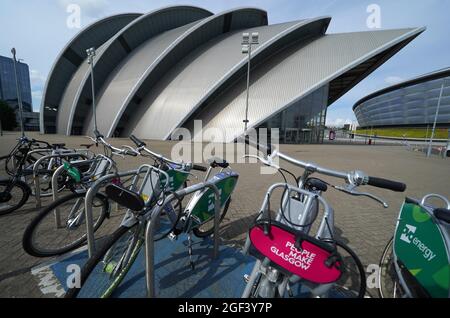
[36, 180]
[149, 231]
[55, 176]
[148, 169]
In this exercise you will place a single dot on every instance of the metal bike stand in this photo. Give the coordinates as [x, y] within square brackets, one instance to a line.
[37, 182]
[149, 231]
[96, 187]
[55, 176]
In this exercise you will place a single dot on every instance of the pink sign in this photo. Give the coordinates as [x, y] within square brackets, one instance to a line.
[308, 262]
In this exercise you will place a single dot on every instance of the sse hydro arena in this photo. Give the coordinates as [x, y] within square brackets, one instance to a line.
[409, 104]
[162, 70]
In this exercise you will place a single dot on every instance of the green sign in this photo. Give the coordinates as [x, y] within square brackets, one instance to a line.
[419, 244]
[204, 204]
[177, 178]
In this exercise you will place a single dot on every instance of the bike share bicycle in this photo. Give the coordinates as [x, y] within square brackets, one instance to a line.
[59, 227]
[416, 261]
[288, 254]
[20, 166]
[145, 199]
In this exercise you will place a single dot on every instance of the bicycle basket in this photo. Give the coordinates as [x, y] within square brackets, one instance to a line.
[294, 252]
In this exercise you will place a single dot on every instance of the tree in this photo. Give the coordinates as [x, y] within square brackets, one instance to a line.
[7, 116]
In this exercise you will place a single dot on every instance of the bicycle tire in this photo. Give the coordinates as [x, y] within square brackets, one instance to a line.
[205, 233]
[96, 259]
[25, 194]
[361, 291]
[28, 242]
[387, 274]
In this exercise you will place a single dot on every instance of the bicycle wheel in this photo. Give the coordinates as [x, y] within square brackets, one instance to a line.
[352, 283]
[207, 229]
[13, 199]
[106, 269]
[389, 286]
[44, 237]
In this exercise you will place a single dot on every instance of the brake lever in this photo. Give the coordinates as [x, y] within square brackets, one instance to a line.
[351, 190]
[268, 163]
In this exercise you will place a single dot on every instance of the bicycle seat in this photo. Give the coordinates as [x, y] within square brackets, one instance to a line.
[218, 162]
[442, 214]
[125, 197]
[58, 146]
[87, 146]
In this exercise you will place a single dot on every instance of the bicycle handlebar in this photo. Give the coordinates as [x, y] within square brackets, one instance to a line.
[137, 141]
[354, 177]
[199, 168]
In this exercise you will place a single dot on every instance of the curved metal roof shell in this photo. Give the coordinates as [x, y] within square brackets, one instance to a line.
[206, 30]
[201, 74]
[73, 55]
[297, 72]
[114, 52]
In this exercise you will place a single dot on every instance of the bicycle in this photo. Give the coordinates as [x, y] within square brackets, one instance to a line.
[109, 265]
[19, 164]
[416, 261]
[58, 228]
[285, 250]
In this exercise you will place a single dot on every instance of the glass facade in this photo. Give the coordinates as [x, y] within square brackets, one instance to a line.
[8, 91]
[304, 121]
[410, 105]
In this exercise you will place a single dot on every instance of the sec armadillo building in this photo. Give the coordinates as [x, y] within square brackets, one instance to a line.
[162, 70]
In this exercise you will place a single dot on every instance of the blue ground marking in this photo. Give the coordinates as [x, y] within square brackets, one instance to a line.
[220, 278]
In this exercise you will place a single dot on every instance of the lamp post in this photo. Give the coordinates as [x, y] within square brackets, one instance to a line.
[91, 55]
[247, 42]
[19, 96]
[435, 120]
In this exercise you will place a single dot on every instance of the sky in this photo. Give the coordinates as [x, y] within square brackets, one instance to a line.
[38, 29]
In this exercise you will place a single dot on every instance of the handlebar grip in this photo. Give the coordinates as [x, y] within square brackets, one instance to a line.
[137, 141]
[130, 153]
[199, 168]
[387, 184]
[98, 134]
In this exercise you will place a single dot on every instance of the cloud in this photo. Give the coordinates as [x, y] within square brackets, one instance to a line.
[36, 78]
[37, 94]
[391, 80]
[338, 122]
[90, 8]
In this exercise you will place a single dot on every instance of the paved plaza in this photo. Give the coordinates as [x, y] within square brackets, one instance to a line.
[360, 222]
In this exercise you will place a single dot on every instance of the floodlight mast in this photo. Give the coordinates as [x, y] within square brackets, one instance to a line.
[91, 55]
[19, 96]
[435, 120]
[247, 43]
